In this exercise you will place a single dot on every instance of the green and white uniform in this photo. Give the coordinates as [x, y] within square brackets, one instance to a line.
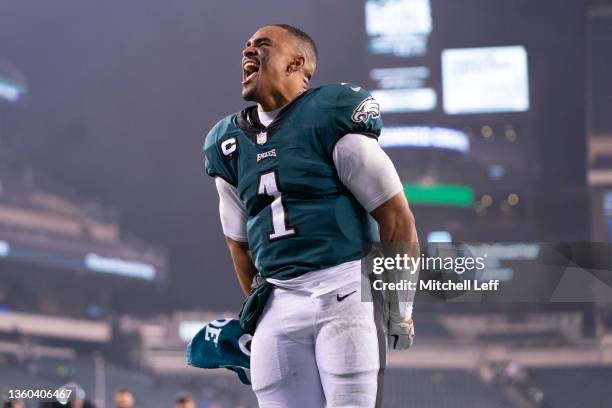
[299, 189]
[300, 217]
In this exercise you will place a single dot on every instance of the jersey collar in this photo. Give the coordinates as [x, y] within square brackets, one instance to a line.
[248, 121]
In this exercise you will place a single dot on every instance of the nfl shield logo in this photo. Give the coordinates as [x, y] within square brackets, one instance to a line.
[262, 138]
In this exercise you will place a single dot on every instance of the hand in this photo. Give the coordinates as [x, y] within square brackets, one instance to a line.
[400, 333]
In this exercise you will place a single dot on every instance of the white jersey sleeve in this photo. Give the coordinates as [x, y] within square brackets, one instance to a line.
[366, 170]
[232, 212]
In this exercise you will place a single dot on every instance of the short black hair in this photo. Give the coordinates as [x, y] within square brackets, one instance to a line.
[183, 398]
[123, 391]
[300, 35]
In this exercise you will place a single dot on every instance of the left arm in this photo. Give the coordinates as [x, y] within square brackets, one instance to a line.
[366, 170]
[396, 224]
[396, 221]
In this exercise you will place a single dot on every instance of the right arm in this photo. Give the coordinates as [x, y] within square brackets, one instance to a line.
[243, 264]
[233, 221]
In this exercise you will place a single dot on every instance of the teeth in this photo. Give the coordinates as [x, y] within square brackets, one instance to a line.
[250, 65]
[250, 68]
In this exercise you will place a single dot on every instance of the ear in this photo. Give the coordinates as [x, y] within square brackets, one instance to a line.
[296, 64]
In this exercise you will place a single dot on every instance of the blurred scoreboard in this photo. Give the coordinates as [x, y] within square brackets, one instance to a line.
[459, 84]
[485, 80]
[409, 77]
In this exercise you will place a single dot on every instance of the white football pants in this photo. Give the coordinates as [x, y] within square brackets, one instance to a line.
[325, 350]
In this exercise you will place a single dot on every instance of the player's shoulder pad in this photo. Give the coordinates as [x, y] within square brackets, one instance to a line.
[344, 94]
[218, 132]
[356, 110]
[220, 146]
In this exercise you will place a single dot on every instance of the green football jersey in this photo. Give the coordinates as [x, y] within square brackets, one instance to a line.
[300, 216]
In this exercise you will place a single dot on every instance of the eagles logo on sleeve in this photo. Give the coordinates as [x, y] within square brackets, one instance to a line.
[368, 108]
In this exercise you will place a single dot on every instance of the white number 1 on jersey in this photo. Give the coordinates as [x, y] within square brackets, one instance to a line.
[268, 186]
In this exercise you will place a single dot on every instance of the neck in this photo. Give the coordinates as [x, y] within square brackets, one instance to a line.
[279, 98]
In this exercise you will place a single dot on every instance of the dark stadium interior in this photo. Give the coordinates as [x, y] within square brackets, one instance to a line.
[111, 250]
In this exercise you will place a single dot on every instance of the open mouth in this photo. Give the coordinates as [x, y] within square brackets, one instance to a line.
[250, 68]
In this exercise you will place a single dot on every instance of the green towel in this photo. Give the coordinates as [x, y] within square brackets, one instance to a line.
[254, 304]
[222, 344]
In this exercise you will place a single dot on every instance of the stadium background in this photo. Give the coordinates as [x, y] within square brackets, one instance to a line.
[111, 250]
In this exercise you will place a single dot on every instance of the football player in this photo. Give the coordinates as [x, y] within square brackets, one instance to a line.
[303, 187]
